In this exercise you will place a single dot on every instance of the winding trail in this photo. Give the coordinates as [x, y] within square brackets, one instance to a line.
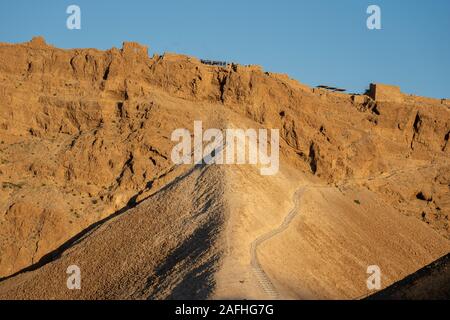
[262, 277]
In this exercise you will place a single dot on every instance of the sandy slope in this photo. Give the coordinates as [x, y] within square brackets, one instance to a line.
[324, 249]
[321, 252]
[168, 246]
[333, 241]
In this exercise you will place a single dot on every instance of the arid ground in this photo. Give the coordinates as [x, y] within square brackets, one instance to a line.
[86, 179]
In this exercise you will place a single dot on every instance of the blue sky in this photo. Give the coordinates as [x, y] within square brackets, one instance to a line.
[315, 42]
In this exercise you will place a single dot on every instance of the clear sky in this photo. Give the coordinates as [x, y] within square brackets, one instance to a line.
[316, 42]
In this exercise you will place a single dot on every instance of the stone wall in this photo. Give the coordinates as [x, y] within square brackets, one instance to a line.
[384, 92]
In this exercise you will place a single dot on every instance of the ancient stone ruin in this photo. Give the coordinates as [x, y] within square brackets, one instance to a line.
[384, 92]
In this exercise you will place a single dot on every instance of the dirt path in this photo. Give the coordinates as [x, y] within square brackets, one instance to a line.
[262, 277]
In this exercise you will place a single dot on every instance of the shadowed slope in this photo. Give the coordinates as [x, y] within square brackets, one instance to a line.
[166, 247]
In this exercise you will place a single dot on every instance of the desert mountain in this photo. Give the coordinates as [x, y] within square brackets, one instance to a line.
[87, 179]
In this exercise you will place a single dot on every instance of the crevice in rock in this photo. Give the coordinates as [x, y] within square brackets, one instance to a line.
[222, 83]
[424, 197]
[106, 73]
[72, 65]
[375, 110]
[312, 158]
[417, 123]
[416, 128]
[446, 138]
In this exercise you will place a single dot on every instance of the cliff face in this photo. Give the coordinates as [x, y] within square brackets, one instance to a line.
[84, 133]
